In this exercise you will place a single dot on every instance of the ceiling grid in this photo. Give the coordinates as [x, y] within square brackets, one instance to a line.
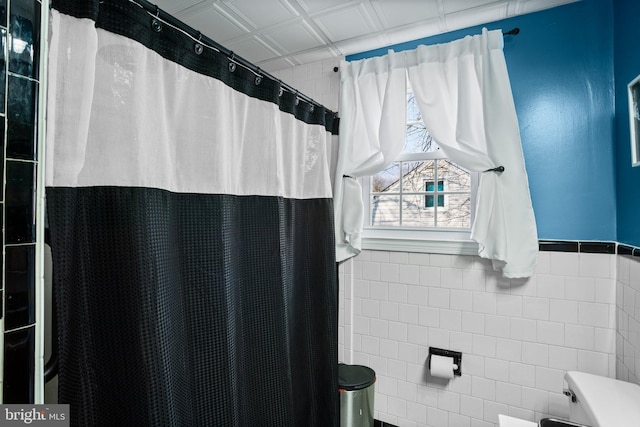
[276, 34]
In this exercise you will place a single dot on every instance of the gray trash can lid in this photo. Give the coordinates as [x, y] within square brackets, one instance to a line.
[355, 377]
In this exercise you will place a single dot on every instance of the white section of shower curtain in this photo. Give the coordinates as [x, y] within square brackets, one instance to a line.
[192, 133]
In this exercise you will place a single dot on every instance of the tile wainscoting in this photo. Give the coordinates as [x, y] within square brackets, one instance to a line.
[518, 337]
[628, 315]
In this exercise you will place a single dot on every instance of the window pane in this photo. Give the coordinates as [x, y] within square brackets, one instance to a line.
[455, 211]
[385, 211]
[457, 178]
[418, 139]
[428, 201]
[387, 180]
[430, 186]
[413, 112]
[417, 175]
[414, 213]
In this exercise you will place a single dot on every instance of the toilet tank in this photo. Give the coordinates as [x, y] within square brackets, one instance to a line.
[603, 402]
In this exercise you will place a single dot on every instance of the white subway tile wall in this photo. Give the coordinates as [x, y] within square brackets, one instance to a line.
[316, 80]
[518, 337]
[628, 319]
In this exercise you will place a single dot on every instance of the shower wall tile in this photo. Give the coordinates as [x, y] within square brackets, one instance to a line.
[21, 118]
[2, 126]
[19, 63]
[3, 13]
[19, 288]
[24, 46]
[20, 202]
[19, 366]
[3, 67]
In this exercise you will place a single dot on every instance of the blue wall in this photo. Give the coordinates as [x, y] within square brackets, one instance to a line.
[561, 71]
[627, 67]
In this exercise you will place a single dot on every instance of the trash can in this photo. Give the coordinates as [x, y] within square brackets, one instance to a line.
[356, 384]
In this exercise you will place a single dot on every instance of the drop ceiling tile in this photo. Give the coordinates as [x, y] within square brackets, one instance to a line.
[414, 32]
[362, 44]
[294, 37]
[214, 23]
[315, 55]
[175, 6]
[284, 33]
[345, 23]
[261, 14]
[253, 49]
[452, 6]
[318, 5]
[273, 65]
[477, 16]
[402, 12]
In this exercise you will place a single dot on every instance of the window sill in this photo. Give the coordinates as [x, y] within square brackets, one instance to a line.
[421, 245]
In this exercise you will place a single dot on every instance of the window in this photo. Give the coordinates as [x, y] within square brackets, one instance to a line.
[421, 196]
[430, 187]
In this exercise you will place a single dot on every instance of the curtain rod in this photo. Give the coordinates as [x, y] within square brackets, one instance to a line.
[197, 36]
[512, 32]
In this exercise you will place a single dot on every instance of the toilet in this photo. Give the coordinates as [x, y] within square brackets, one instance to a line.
[594, 401]
[602, 402]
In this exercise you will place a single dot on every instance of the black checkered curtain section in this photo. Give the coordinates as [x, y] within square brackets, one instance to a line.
[192, 231]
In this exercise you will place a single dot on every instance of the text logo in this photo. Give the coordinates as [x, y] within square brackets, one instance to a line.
[37, 415]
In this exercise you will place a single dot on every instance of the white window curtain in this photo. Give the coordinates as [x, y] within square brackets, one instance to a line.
[463, 92]
[372, 129]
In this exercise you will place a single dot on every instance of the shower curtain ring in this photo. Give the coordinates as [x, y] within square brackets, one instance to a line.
[156, 25]
[232, 64]
[258, 78]
[198, 47]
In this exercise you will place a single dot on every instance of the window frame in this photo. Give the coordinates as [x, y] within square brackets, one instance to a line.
[441, 240]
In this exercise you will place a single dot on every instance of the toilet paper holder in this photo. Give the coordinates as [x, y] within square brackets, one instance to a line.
[456, 355]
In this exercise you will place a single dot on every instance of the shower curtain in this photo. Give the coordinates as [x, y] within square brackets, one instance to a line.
[189, 202]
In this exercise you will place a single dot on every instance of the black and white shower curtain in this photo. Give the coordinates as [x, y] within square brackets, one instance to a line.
[192, 231]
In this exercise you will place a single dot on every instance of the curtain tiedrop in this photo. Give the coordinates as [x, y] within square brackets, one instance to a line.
[463, 92]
